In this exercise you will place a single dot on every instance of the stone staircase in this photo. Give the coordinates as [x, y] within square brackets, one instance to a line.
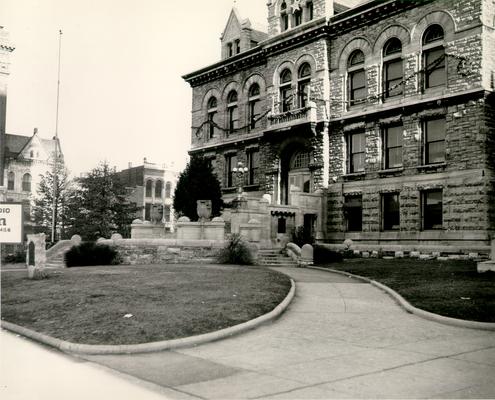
[274, 258]
[55, 255]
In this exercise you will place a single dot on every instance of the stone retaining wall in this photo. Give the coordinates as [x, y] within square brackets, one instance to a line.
[166, 251]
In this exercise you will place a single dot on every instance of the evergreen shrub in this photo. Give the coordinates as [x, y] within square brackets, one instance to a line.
[323, 255]
[90, 254]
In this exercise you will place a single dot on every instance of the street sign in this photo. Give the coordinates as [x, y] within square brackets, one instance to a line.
[10, 223]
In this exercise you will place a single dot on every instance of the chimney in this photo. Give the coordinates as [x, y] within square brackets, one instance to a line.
[129, 165]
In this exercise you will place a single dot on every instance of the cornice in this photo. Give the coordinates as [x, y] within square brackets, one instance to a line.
[369, 13]
[347, 21]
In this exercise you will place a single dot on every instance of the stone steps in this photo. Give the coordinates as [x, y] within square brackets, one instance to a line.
[273, 258]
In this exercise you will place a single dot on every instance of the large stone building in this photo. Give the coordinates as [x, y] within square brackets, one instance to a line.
[374, 123]
[151, 187]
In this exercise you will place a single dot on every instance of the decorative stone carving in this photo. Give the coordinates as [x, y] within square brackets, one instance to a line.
[76, 240]
[203, 209]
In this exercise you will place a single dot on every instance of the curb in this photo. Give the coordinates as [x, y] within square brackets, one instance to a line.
[89, 349]
[489, 326]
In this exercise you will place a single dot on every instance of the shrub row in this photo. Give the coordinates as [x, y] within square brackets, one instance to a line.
[90, 254]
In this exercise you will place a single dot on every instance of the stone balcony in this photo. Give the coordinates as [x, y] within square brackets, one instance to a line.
[292, 118]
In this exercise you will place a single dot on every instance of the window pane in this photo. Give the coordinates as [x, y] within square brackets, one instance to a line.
[394, 70]
[358, 162]
[358, 142]
[394, 157]
[435, 129]
[353, 207]
[435, 67]
[432, 211]
[394, 136]
[358, 94]
[435, 152]
[436, 78]
[391, 211]
[358, 79]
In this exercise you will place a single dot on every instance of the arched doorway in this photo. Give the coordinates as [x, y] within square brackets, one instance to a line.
[295, 172]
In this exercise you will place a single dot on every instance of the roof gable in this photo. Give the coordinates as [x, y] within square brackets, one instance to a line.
[233, 26]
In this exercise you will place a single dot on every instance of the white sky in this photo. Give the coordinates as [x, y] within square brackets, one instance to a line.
[122, 97]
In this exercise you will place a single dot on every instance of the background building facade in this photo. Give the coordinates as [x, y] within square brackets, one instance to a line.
[151, 188]
[382, 114]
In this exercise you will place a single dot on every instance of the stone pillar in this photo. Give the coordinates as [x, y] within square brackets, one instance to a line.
[36, 256]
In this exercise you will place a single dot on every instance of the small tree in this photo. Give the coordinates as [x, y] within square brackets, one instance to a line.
[197, 182]
[102, 206]
[54, 181]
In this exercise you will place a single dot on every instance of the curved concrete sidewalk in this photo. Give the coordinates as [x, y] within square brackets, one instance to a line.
[339, 338]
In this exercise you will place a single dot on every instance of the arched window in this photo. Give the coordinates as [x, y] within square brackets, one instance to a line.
[393, 71]
[149, 189]
[168, 190]
[300, 160]
[303, 85]
[232, 111]
[309, 11]
[284, 17]
[31, 154]
[254, 105]
[356, 78]
[212, 111]
[26, 183]
[435, 73]
[297, 16]
[285, 90]
[11, 181]
[158, 189]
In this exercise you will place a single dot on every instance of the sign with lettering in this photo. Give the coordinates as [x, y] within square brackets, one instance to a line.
[10, 223]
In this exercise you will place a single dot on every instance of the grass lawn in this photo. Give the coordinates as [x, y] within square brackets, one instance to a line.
[451, 288]
[88, 305]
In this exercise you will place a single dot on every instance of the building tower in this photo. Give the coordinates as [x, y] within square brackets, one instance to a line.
[5, 49]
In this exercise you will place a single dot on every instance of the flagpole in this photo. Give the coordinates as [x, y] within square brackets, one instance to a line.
[55, 163]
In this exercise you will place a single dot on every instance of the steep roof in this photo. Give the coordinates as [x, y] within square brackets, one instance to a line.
[15, 144]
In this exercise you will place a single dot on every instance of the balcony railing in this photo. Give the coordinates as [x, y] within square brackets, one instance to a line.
[292, 118]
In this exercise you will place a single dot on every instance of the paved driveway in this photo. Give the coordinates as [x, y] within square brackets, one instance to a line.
[338, 339]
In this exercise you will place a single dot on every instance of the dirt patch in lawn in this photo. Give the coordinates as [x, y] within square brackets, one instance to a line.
[450, 288]
[139, 304]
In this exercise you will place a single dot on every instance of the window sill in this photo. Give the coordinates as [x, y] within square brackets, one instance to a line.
[354, 175]
[428, 167]
[252, 187]
[391, 171]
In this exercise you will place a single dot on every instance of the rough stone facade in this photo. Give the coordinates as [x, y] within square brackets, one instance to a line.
[445, 175]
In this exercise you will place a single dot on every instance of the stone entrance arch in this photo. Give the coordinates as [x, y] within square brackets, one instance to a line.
[294, 170]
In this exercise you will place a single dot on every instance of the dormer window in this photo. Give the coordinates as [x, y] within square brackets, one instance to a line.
[309, 11]
[284, 17]
[297, 17]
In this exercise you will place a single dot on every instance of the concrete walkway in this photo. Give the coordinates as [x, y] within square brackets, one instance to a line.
[339, 339]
